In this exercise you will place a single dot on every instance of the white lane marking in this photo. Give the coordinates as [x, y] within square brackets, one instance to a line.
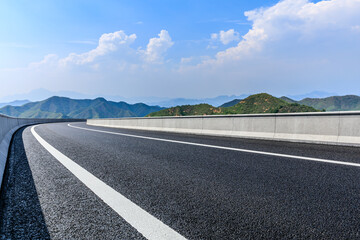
[149, 226]
[227, 148]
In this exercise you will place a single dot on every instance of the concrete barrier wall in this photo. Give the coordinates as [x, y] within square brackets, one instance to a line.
[8, 127]
[342, 128]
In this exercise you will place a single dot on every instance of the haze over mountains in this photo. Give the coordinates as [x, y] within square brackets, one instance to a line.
[313, 94]
[14, 103]
[216, 101]
[41, 94]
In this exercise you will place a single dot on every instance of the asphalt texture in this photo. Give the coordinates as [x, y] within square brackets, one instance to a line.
[202, 193]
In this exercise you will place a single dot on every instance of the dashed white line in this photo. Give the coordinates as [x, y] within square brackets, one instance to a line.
[149, 226]
[226, 148]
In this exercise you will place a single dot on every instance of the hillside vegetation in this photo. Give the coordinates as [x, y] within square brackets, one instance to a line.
[62, 107]
[188, 110]
[258, 103]
[335, 103]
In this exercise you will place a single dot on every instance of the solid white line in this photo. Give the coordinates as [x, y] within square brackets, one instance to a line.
[226, 148]
[149, 226]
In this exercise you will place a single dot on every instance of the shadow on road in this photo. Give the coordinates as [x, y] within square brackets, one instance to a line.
[21, 216]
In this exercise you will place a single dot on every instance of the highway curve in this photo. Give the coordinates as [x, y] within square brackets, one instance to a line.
[105, 183]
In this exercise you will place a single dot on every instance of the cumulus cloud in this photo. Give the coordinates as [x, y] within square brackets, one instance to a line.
[115, 50]
[294, 22]
[108, 42]
[294, 44]
[226, 37]
[157, 47]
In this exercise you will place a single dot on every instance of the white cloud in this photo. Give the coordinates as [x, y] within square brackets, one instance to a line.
[116, 52]
[108, 42]
[214, 36]
[295, 45]
[226, 37]
[293, 23]
[157, 47]
[50, 60]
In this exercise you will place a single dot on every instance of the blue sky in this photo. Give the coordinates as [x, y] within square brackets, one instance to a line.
[31, 29]
[180, 48]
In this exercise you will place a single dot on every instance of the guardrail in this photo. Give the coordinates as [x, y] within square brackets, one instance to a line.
[342, 128]
[8, 126]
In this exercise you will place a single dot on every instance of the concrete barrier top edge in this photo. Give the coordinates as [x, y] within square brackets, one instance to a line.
[335, 113]
[48, 119]
[6, 116]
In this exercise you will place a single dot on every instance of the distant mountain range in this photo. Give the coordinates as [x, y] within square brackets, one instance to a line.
[41, 94]
[62, 107]
[14, 103]
[314, 94]
[216, 101]
[335, 103]
[258, 103]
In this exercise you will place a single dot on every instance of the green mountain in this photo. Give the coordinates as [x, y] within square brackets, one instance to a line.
[62, 107]
[289, 100]
[236, 101]
[335, 103]
[265, 103]
[258, 103]
[231, 103]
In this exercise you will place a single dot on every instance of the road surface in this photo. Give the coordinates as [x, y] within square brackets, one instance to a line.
[84, 182]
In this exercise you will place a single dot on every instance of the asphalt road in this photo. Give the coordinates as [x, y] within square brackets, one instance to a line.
[197, 191]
